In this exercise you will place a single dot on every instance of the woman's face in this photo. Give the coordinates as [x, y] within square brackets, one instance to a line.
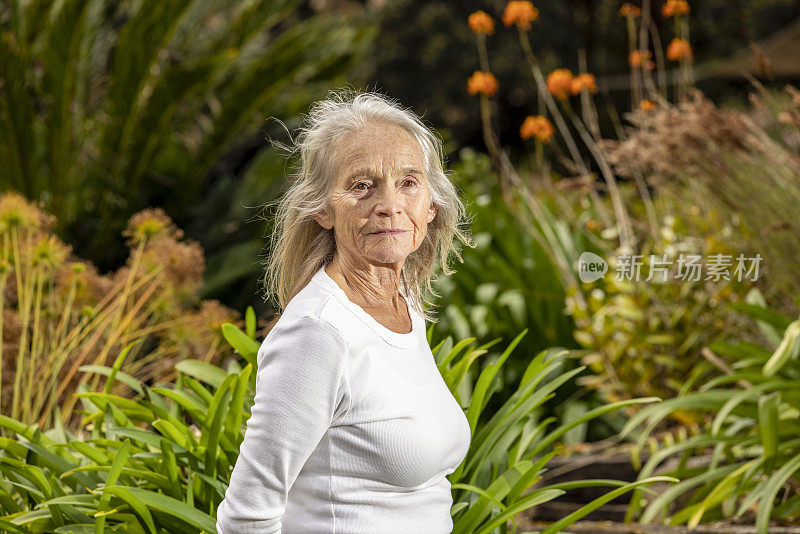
[380, 183]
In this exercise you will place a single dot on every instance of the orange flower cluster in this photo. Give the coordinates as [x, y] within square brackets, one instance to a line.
[583, 81]
[559, 83]
[638, 57]
[521, 13]
[482, 82]
[675, 8]
[629, 10]
[481, 22]
[679, 48]
[647, 105]
[538, 127]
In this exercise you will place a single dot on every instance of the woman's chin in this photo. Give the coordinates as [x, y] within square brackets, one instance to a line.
[393, 256]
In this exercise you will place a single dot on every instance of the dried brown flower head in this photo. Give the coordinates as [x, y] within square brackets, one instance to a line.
[183, 261]
[148, 224]
[666, 140]
[18, 212]
[45, 251]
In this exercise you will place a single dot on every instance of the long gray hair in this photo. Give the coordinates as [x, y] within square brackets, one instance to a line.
[300, 245]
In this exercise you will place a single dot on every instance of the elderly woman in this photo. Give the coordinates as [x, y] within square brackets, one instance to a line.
[353, 429]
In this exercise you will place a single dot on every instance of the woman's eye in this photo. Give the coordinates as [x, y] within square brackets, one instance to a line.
[413, 182]
[359, 184]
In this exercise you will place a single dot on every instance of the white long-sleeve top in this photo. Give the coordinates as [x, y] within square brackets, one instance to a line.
[353, 430]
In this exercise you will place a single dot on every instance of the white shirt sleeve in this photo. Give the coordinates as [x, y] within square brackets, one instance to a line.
[301, 388]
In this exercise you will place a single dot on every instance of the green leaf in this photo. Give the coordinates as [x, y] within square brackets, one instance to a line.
[588, 416]
[137, 506]
[204, 371]
[233, 423]
[768, 422]
[721, 491]
[479, 395]
[123, 377]
[129, 407]
[670, 495]
[175, 508]
[89, 500]
[774, 484]
[185, 401]
[80, 528]
[170, 466]
[116, 468]
[770, 321]
[169, 430]
[600, 501]
[247, 347]
[495, 493]
[11, 527]
[250, 322]
[529, 501]
[214, 422]
[788, 349]
[118, 364]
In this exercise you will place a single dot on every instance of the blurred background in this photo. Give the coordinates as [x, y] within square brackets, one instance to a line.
[140, 141]
[176, 113]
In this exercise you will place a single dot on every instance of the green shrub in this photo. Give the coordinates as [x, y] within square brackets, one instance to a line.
[508, 454]
[722, 164]
[751, 442]
[509, 282]
[645, 337]
[161, 462]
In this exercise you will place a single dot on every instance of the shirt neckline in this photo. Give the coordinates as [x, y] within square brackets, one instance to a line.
[406, 340]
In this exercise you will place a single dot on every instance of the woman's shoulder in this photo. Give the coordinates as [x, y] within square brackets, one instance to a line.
[310, 315]
[300, 340]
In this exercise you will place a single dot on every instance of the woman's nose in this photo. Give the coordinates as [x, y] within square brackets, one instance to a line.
[387, 201]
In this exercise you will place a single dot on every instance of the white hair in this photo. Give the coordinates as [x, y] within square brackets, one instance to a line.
[300, 245]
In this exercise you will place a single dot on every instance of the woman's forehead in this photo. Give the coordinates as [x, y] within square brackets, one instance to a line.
[387, 136]
[394, 149]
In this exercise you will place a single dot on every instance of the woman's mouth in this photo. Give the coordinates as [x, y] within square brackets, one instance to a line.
[388, 232]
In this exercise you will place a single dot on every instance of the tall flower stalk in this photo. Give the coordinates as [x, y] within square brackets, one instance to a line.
[626, 237]
[679, 49]
[623, 221]
[635, 55]
[557, 88]
[484, 84]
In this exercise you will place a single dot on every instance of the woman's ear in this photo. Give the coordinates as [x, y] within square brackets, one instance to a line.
[324, 219]
[431, 212]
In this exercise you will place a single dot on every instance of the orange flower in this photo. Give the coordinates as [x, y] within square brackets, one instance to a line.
[559, 83]
[536, 126]
[629, 10]
[521, 13]
[675, 8]
[582, 81]
[482, 82]
[637, 56]
[679, 48]
[647, 105]
[480, 22]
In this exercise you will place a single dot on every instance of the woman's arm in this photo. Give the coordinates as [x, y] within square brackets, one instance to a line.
[301, 388]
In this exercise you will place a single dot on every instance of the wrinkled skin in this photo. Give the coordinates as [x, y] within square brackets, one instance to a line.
[392, 192]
